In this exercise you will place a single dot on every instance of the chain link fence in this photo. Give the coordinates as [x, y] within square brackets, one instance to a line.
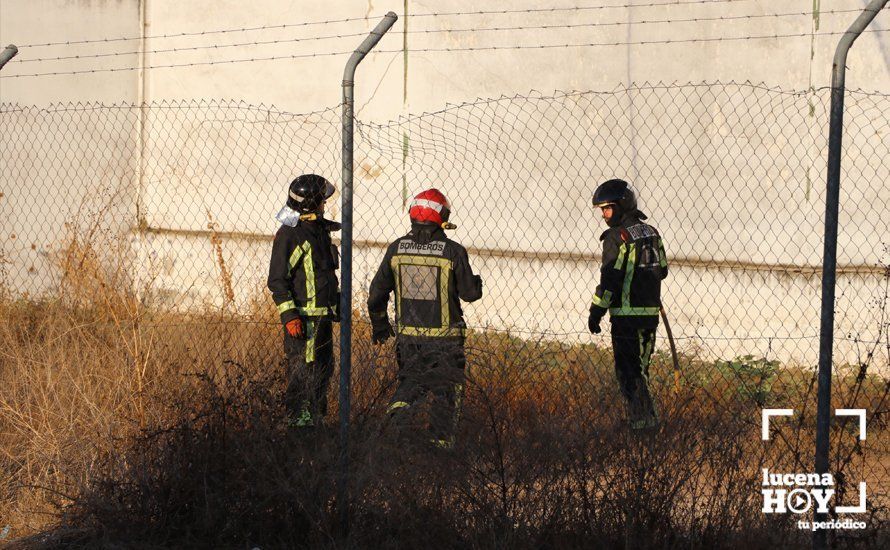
[167, 208]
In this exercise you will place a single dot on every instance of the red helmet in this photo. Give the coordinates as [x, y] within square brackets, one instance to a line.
[430, 206]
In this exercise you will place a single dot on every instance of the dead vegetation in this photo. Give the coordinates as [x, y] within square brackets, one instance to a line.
[121, 424]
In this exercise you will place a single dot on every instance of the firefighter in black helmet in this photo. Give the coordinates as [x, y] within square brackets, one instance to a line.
[304, 285]
[634, 264]
[430, 274]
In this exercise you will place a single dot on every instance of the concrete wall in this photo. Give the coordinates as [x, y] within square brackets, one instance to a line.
[732, 176]
[715, 313]
[64, 175]
[61, 169]
[433, 78]
[35, 22]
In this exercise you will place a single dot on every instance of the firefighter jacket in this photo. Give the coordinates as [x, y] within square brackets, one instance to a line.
[302, 270]
[430, 274]
[634, 264]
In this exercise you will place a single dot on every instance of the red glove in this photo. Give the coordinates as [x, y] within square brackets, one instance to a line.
[294, 327]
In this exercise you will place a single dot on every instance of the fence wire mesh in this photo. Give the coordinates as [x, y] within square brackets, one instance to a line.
[162, 214]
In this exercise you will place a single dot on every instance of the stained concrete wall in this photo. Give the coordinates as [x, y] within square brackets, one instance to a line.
[31, 23]
[433, 78]
[703, 204]
[60, 169]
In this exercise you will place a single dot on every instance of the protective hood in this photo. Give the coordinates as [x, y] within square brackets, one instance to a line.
[636, 214]
[424, 233]
[620, 217]
[288, 216]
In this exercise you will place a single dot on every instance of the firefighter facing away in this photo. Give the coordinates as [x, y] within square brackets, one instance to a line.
[305, 288]
[430, 274]
[634, 264]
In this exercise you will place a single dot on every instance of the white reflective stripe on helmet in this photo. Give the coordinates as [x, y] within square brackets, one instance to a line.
[294, 196]
[428, 204]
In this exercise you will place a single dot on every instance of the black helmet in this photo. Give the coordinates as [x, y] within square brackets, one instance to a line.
[307, 192]
[616, 192]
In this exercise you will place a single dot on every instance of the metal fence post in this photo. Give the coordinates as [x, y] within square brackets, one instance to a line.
[8, 53]
[829, 264]
[346, 262]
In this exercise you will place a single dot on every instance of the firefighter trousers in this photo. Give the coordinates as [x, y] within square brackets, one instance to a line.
[632, 348]
[310, 364]
[433, 366]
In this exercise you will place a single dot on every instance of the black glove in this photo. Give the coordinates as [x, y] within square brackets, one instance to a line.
[336, 310]
[478, 281]
[593, 322]
[381, 331]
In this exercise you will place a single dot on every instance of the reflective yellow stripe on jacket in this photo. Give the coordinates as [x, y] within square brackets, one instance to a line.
[626, 310]
[444, 330]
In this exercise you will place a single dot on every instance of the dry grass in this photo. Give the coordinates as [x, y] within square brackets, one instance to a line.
[122, 424]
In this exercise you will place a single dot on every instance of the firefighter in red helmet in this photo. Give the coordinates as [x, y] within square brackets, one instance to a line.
[429, 274]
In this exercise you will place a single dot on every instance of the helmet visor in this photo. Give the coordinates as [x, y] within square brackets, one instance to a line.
[329, 189]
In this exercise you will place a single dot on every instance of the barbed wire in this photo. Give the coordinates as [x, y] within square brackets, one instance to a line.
[175, 65]
[195, 48]
[459, 49]
[165, 104]
[578, 8]
[635, 43]
[722, 18]
[190, 34]
[351, 19]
